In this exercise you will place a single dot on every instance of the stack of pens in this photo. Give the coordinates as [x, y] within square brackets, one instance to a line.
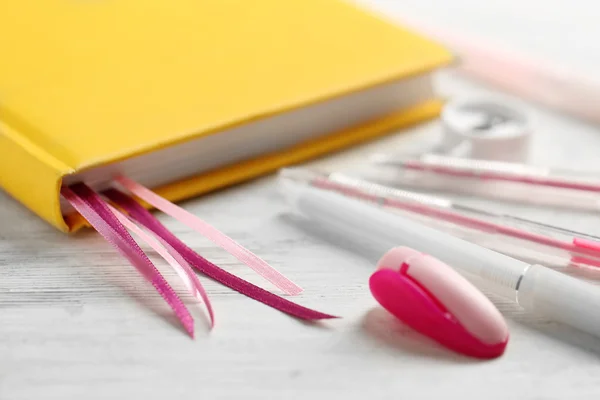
[518, 237]
[334, 201]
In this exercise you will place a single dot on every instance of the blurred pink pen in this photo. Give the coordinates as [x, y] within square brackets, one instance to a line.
[485, 170]
[547, 84]
[570, 247]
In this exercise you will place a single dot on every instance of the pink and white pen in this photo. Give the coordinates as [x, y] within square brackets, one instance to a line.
[516, 236]
[534, 287]
[556, 87]
[485, 170]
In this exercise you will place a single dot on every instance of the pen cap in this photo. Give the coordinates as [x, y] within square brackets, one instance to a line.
[561, 298]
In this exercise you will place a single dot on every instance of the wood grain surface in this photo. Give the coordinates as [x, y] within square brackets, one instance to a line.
[78, 322]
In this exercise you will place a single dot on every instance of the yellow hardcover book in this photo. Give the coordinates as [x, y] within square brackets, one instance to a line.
[187, 96]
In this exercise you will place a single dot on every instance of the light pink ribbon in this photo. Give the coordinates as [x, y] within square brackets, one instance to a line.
[211, 233]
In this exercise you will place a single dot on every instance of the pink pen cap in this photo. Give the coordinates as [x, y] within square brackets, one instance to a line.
[432, 298]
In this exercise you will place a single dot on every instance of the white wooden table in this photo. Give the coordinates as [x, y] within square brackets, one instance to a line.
[77, 322]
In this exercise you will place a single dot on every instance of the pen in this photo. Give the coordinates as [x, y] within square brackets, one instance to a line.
[535, 288]
[485, 170]
[557, 87]
[492, 230]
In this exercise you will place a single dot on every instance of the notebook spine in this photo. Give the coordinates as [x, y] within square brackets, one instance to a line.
[31, 174]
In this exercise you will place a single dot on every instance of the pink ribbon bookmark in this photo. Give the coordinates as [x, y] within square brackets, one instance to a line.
[211, 233]
[97, 213]
[146, 219]
[174, 259]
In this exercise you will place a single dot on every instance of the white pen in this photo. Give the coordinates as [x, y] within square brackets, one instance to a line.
[534, 287]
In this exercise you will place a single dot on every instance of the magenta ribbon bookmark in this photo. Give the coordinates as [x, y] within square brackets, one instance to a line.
[97, 213]
[145, 218]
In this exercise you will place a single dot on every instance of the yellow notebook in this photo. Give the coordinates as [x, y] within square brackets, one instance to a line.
[186, 96]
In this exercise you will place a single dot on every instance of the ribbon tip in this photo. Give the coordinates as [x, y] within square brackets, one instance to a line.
[295, 291]
[326, 316]
[189, 327]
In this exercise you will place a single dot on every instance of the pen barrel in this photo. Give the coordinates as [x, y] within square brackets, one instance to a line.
[561, 298]
[364, 223]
